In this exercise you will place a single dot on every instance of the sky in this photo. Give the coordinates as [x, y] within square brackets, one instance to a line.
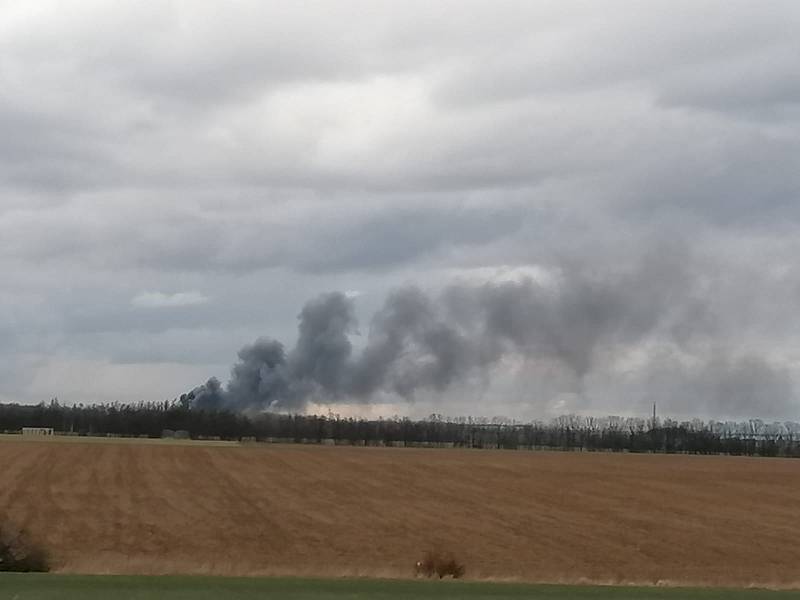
[596, 203]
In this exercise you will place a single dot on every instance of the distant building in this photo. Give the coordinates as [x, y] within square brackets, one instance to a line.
[37, 431]
[180, 434]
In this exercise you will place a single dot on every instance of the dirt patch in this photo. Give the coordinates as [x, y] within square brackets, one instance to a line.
[306, 510]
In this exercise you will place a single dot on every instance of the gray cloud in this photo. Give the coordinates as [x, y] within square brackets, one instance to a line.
[406, 234]
[761, 83]
[643, 158]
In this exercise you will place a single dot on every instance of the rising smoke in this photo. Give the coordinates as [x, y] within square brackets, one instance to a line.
[422, 342]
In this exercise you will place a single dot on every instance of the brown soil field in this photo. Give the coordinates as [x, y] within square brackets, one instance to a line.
[314, 510]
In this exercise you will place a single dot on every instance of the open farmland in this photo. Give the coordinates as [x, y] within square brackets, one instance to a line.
[324, 511]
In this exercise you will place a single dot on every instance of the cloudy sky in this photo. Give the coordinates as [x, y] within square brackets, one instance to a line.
[178, 179]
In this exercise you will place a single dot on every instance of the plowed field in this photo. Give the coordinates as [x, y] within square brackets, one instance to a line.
[313, 510]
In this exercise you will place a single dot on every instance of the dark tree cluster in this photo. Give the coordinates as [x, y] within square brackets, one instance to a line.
[620, 434]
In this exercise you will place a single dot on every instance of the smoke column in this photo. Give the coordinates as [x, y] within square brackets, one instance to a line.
[417, 341]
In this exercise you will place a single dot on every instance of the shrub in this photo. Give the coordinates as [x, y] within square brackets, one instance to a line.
[19, 553]
[441, 564]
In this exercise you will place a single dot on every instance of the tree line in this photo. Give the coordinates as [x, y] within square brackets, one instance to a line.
[570, 432]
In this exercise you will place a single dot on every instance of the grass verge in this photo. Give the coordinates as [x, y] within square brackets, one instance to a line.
[18, 586]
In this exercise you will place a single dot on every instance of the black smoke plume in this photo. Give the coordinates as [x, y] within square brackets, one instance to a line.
[422, 342]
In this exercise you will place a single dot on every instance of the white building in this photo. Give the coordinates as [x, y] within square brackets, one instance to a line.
[37, 431]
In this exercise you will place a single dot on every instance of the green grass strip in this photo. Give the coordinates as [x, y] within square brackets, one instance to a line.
[15, 586]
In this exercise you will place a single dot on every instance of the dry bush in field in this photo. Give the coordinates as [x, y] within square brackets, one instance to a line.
[19, 553]
[439, 563]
